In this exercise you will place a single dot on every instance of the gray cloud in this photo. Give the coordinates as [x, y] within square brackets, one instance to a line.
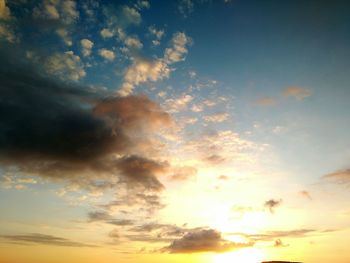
[98, 216]
[35, 238]
[121, 222]
[141, 170]
[205, 240]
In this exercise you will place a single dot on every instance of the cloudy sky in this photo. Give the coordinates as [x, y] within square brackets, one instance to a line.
[199, 131]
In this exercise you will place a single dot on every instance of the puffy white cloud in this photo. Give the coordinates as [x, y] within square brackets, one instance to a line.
[141, 71]
[66, 66]
[64, 11]
[218, 117]
[133, 42]
[107, 54]
[178, 50]
[107, 33]
[86, 45]
[176, 105]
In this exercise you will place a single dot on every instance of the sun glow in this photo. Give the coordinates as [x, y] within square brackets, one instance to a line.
[246, 255]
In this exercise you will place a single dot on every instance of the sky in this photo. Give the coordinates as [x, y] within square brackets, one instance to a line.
[199, 131]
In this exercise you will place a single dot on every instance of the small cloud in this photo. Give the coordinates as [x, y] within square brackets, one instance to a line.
[86, 45]
[36, 238]
[98, 216]
[223, 177]
[197, 108]
[272, 204]
[265, 101]
[214, 159]
[141, 71]
[66, 66]
[296, 92]
[183, 173]
[107, 54]
[216, 118]
[203, 240]
[185, 7]
[142, 4]
[121, 222]
[305, 194]
[133, 42]
[192, 74]
[278, 243]
[157, 33]
[106, 33]
[176, 105]
[131, 15]
[340, 176]
[177, 52]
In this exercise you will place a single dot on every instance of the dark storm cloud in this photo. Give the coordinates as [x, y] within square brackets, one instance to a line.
[61, 130]
[36, 238]
[272, 204]
[205, 240]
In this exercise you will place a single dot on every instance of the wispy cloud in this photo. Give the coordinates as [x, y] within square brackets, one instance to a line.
[339, 176]
[36, 238]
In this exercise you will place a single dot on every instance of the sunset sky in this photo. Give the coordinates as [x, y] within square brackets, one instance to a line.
[199, 131]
